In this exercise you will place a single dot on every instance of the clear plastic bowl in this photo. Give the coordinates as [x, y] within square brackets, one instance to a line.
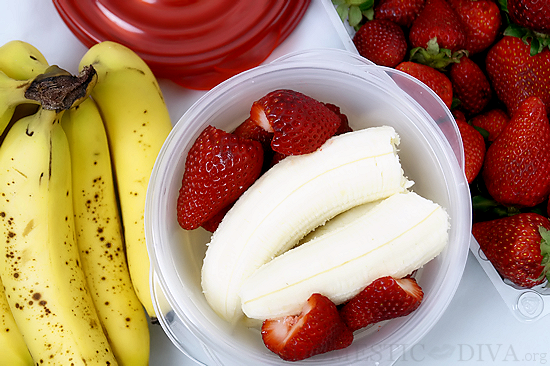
[431, 155]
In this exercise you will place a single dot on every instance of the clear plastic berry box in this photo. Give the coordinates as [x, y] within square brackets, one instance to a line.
[431, 155]
[527, 305]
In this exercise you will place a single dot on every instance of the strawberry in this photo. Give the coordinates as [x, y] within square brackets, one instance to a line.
[344, 123]
[474, 149]
[381, 41]
[532, 14]
[300, 124]
[470, 85]
[515, 247]
[212, 223]
[492, 121]
[401, 12]
[515, 75]
[318, 329]
[435, 80]
[516, 170]
[219, 168]
[481, 20]
[385, 298]
[250, 130]
[438, 20]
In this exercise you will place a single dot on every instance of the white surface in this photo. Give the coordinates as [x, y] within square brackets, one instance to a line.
[477, 328]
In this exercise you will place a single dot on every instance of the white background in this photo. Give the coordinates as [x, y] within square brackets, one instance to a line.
[477, 328]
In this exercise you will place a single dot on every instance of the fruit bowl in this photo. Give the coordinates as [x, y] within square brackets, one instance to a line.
[431, 155]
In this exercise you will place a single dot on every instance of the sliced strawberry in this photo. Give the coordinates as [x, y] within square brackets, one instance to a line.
[212, 223]
[219, 168]
[318, 329]
[300, 124]
[251, 130]
[385, 298]
[344, 123]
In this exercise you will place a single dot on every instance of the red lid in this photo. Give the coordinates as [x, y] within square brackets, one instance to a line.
[196, 43]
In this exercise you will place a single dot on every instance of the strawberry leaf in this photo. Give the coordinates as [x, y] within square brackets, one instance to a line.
[434, 56]
[537, 41]
[355, 16]
[545, 252]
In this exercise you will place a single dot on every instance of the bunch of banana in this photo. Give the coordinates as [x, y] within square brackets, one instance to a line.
[137, 123]
[72, 266]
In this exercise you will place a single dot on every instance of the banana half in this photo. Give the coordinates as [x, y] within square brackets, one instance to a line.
[297, 195]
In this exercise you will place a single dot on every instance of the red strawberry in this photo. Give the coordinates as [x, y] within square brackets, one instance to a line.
[212, 223]
[515, 247]
[515, 75]
[381, 41]
[300, 124]
[401, 12]
[318, 329]
[481, 20]
[219, 168]
[344, 123]
[470, 85]
[438, 20]
[250, 130]
[516, 170]
[532, 14]
[385, 298]
[492, 121]
[435, 80]
[474, 149]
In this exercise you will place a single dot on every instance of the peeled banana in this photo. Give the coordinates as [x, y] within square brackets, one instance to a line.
[99, 236]
[14, 350]
[391, 238]
[137, 123]
[40, 265]
[291, 199]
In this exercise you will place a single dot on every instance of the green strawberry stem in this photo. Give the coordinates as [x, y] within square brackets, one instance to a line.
[354, 11]
[545, 252]
[434, 56]
[537, 41]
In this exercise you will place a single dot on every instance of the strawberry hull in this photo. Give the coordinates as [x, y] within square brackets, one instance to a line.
[368, 97]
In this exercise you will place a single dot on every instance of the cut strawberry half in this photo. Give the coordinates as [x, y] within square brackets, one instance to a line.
[219, 168]
[318, 329]
[385, 298]
[299, 123]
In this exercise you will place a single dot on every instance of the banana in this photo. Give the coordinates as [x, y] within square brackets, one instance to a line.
[40, 265]
[20, 60]
[393, 238]
[14, 350]
[291, 199]
[99, 236]
[12, 94]
[137, 123]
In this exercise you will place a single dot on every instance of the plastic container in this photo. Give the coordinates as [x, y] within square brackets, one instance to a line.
[431, 155]
[527, 305]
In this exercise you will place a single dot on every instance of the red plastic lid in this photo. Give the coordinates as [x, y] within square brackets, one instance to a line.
[196, 43]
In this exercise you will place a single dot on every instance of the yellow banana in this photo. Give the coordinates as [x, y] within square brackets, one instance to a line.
[14, 350]
[12, 94]
[137, 123]
[20, 60]
[40, 265]
[99, 236]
